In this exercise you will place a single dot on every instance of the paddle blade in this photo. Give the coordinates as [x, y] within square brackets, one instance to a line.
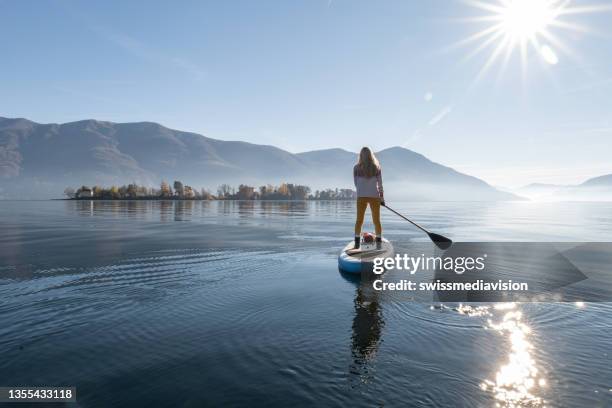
[440, 241]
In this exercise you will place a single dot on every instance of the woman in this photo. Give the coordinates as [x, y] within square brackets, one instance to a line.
[368, 181]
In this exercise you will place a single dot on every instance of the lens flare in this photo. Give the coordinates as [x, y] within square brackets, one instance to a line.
[532, 27]
[549, 55]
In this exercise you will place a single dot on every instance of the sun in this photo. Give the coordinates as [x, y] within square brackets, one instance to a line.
[524, 19]
[527, 27]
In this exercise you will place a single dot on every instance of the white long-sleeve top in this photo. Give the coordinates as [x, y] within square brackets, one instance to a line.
[368, 186]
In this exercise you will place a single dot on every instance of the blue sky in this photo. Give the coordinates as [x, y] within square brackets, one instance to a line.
[304, 75]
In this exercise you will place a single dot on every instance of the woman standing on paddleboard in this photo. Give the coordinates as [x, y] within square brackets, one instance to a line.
[368, 181]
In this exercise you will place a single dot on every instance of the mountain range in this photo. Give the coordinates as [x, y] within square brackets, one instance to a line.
[40, 160]
[593, 189]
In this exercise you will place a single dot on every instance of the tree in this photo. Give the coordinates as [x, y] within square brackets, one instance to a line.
[188, 192]
[69, 192]
[165, 190]
[98, 191]
[301, 192]
[283, 190]
[179, 189]
[245, 192]
[132, 190]
[205, 194]
[224, 191]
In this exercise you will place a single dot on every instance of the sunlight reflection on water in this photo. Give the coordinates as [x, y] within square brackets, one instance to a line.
[517, 381]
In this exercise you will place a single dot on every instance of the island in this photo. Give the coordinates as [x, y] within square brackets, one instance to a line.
[180, 191]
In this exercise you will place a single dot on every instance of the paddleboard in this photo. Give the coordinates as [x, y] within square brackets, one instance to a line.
[360, 260]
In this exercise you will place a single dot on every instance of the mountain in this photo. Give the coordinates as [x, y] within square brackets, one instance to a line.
[40, 160]
[406, 175]
[539, 190]
[601, 181]
[593, 189]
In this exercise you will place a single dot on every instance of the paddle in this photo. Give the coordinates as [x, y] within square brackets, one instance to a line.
[440, 241]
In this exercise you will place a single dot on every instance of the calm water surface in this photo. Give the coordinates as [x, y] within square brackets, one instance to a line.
[188, 304]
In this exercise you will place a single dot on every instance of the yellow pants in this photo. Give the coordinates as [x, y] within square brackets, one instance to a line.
[362, 204]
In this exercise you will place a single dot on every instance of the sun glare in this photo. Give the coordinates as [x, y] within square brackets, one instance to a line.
[530, 26]
[522, 19]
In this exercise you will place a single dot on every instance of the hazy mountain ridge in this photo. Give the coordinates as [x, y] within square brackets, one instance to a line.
[594, 189]
[39, 160]
[601, 181]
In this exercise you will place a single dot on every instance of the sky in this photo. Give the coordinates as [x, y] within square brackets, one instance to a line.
[316, 74]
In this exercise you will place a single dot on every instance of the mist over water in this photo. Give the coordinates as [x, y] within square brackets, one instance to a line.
[184, 304]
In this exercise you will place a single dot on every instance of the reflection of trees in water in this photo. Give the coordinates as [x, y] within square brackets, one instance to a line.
[165, 209]
[183, 210]
[83, 208]
[180, 210]
[129, 208]
[267, 207]
[367, 330]
[246, 208]
[205, 207]
[226, 207]
[136, 209]
[334, 207]
[263, 208]
[286, 208]
[295, 207]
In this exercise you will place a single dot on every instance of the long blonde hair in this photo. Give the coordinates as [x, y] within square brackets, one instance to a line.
[367, 165]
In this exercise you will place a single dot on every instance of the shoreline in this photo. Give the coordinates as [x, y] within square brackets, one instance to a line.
[188, 199]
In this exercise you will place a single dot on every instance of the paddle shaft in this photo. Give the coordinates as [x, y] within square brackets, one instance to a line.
[409, 220]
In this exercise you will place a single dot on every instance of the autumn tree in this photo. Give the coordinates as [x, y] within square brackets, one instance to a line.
[97, 191]
[245, 192]
[165, 190]
[188, 192]
[284, 190]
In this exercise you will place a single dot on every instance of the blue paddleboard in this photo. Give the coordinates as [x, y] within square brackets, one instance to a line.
[360, 260]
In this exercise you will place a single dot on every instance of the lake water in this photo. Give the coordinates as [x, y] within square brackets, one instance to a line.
[189, 304]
